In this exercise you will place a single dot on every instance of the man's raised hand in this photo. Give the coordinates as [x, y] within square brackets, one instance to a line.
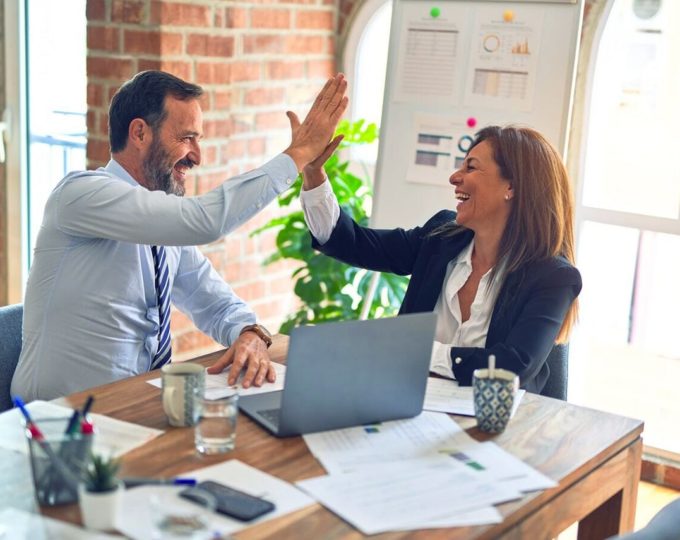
[311, 137]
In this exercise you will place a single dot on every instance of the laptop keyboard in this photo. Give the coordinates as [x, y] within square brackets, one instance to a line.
[271, 415]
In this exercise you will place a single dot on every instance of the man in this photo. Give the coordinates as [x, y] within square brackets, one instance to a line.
[117, 245]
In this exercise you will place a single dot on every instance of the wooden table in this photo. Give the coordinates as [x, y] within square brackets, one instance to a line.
[595, 456]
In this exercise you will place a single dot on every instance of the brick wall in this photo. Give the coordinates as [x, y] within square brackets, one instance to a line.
[255, 60]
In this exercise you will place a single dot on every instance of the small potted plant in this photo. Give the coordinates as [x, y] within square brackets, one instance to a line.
[100, 493]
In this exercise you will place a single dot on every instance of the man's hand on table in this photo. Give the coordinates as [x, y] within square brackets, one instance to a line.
[247, 353]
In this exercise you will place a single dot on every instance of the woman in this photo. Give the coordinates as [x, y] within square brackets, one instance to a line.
[498, 272]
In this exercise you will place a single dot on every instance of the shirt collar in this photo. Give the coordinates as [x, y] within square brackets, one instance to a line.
[465, 256]
[117, 170]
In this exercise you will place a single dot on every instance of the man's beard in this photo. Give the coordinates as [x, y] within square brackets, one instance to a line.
[158, 168]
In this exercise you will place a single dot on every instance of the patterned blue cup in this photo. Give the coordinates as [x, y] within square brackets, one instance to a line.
[494, 398]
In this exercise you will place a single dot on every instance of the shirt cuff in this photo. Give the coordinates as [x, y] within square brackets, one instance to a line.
[440, 361]
[321, 210]
[317, 195]
[282, 171]
[235, 332]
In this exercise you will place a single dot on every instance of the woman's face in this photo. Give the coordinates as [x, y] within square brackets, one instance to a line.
[484, 196]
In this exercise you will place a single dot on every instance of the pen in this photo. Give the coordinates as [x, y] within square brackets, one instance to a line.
[35, 432]
[72, 423]
[87, 406]
[138, 481]
[86, 427]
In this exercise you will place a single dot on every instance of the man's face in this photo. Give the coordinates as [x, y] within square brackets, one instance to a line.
[175, 147]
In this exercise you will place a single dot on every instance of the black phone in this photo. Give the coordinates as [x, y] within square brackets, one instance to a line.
[230, 502]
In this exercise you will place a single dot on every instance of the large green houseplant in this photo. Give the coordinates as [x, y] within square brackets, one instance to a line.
[330, 290]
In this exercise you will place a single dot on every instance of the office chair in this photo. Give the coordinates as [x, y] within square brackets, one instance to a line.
[665, 525]
[11, 318]
[557, 383]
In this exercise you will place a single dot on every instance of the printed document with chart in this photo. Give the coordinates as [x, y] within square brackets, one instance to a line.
[504, 54]
[415, 459]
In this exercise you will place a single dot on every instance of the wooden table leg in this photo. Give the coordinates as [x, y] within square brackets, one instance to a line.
[617, 514]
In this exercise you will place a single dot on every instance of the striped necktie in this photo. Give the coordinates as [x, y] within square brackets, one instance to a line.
[163, 295]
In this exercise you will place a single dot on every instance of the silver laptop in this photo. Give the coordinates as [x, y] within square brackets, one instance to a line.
[347, 374]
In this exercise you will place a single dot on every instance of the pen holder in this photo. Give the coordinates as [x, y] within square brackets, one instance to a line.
[58, 461]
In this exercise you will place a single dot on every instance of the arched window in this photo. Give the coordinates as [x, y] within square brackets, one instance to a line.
[365, 62]
[625, 353]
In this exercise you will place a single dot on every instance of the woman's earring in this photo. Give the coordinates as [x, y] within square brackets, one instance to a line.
[507, 197]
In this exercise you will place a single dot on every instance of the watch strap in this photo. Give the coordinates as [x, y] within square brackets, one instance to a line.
[261, 332]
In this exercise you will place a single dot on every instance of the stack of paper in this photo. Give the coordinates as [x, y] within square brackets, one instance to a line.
[405, 496]
[422, 472]
[216, 385]
[113, 437]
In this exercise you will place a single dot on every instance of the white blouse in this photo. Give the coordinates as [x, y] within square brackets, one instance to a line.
[322, 212]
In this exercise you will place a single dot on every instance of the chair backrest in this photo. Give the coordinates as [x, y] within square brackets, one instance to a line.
[665, 525]
[11, 318]
[557, 383]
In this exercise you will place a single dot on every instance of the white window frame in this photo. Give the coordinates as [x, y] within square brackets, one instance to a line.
[15, 146]
[584, 212]
[579, 143]
[354, 29]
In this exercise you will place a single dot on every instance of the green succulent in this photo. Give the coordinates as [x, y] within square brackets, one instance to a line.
[101, 474]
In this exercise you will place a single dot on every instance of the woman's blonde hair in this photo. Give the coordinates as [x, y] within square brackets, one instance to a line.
[541, 220]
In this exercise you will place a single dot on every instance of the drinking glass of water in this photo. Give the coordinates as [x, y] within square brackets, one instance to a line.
[215, 431]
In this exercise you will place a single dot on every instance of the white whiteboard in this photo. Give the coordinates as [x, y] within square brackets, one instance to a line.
[457, 61]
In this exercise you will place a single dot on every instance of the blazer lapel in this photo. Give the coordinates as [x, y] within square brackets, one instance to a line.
[432, 279]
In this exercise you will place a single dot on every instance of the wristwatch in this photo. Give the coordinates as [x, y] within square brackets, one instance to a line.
[261, 332]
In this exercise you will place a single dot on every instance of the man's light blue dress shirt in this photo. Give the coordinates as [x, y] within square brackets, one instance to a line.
[90, 312]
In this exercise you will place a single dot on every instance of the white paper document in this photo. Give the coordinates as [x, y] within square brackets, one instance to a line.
[501, 466]
[136, 516]
[216, 385]
[402, 498]
[435, 151]
[418, 473]
[350, 449]
[503, 63]
[429, 63]
[432, 439]
[444, 395]
[20, 525]
[466, 518]
[112, 437]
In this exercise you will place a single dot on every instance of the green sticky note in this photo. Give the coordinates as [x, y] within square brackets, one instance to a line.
[435, 12]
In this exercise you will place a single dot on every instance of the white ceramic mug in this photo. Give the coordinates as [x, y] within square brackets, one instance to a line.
[181, 383]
